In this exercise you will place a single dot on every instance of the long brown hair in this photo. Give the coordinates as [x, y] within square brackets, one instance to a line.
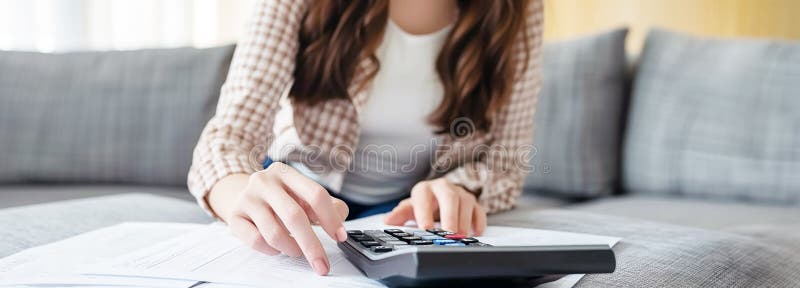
[475, 65]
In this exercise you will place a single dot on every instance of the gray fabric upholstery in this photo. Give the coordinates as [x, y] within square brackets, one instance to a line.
[24, 227]
[20, 195]
[579, 117]
[650, 255]
[696, 213]
[661, 255]
[121, 117]
[29, 226]
[538, 202]
[786, 235]
[715, 118]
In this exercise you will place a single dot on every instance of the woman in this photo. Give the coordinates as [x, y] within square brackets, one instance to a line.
[321, 89]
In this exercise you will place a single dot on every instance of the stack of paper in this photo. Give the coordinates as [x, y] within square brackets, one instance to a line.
[214, 255]
[189, 255]
[57, 264]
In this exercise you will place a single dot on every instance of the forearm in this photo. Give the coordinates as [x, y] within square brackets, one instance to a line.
[261, 70]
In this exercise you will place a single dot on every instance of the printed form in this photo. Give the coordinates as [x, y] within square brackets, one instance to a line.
[212, 254]
[55, 264]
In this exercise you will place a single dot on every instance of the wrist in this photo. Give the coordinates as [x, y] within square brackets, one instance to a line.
[223, 196]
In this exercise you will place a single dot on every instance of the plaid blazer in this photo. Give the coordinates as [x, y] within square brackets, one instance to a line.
[237, 138]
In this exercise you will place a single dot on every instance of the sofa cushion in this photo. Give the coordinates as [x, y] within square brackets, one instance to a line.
[579, 117]
[20, 195]
[694, 212]
[785, 235]
[532, 201]
[649, 255]
[124, 116]
[715, 118]
[29, 226]
[653, 254]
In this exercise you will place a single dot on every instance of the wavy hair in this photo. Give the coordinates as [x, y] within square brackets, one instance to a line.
[475, 65]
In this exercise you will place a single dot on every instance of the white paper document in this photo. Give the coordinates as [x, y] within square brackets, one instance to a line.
[214, 255]
[208, 256]
[54, 264]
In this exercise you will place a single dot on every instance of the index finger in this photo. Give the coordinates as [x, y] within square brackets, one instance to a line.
[299, 226]
[448, 205]
[317, 198]
[424, 203]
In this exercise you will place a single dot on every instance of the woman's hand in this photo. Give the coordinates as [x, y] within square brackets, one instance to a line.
[272, 211]
[457, 209]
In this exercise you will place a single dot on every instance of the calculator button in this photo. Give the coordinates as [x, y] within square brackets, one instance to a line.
[410, 238]
[434, 230]
[444, 233]
[469, 240]
[455, 244]
[370, 243]
[391, 231]
[381, 249]
[374, 233]
[401, 234]
[455, 236]
[395, 243]
[443, 241]
[355, 232]
[361, 238]
[479, 244]
[431, 237]
[421, 242]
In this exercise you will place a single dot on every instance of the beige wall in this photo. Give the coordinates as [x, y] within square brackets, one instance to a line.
[753, 18]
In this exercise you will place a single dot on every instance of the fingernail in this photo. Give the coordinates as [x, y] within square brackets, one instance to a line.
[341, 235]
[320, 266]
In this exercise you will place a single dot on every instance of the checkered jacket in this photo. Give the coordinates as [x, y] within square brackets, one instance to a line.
[237, 138]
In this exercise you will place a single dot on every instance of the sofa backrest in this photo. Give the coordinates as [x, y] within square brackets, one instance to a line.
[122, 117]
[715, 118]
[580, 116]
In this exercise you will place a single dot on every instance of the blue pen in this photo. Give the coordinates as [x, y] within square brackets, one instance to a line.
[268, 161]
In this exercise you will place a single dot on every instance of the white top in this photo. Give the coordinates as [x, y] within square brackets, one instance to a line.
[394, 151]
[396, 140]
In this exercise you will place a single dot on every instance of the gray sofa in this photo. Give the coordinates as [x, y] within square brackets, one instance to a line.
[692, 156]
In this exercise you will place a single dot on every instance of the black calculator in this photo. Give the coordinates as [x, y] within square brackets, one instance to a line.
[436, 258]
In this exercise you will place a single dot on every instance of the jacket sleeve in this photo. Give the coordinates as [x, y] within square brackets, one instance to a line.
[498, 178]
[236, 138]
